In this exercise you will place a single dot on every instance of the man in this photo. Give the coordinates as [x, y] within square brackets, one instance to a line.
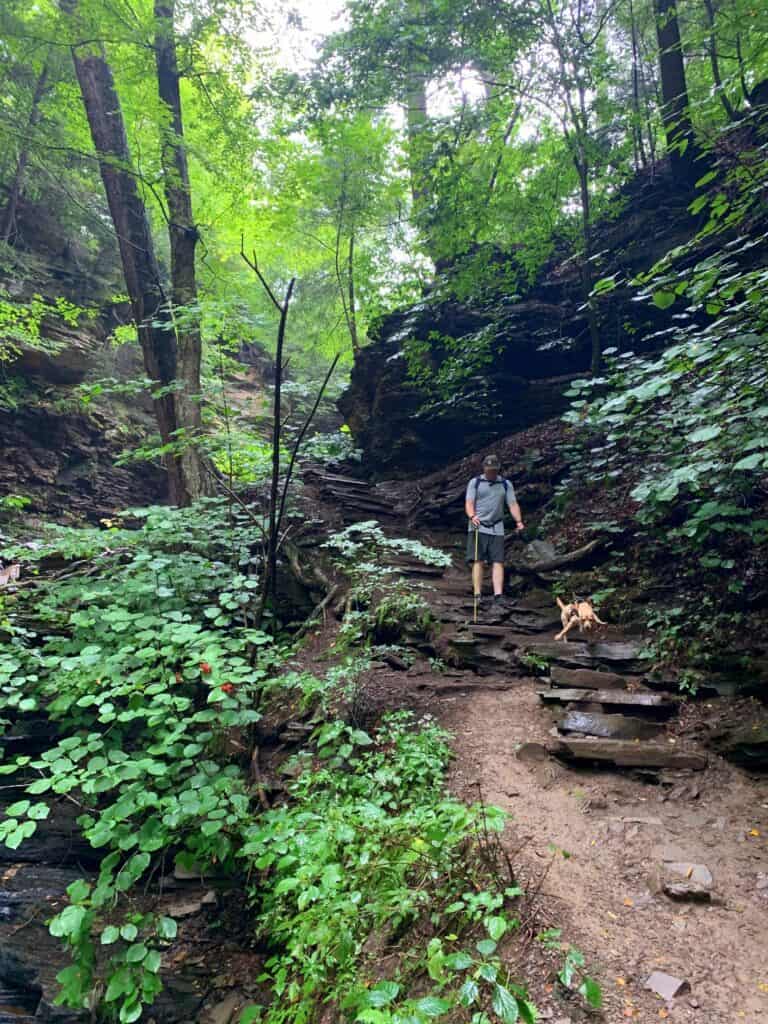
[486, 498]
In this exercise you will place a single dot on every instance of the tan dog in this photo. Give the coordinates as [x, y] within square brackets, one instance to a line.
[579, 612]
[9, 574]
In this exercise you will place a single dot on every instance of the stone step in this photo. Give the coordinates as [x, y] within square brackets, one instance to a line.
[590, 679]
[621, 657]
[621, 699]
[626, 753]
[616, 727]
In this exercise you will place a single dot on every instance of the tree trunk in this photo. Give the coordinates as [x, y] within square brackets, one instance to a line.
[416, 130]
[137, 251]
[586, 267]
[183, 237]
[8, 228]
[742, 69]
[270, 575]
[637, 129]
[151, 313]
[715, 64]
[675, 110]
[351, 300]
[645, 90]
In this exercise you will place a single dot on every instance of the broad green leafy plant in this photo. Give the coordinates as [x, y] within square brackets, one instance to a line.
[382, 606]
[368, 849]
[143, 664]
[142, 658]
[683, 433]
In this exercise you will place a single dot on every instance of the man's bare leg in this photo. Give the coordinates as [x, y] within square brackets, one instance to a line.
[497, 573]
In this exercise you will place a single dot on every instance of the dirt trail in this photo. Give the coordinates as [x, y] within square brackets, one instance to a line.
[602, 835]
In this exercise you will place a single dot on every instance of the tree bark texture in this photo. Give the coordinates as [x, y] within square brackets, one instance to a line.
[675, 110]
[183, 237]
[8, 229]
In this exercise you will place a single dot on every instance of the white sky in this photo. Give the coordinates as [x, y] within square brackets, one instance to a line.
[297, 45]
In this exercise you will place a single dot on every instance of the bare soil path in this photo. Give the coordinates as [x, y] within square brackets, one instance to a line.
[599, 837]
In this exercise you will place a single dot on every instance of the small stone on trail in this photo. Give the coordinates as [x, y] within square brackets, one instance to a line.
[666, 986]
[531, 752]
[686, 881]
[224, 1012]
[538, 551]
[185, 908]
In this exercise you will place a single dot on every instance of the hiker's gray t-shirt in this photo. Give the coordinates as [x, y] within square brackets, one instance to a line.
[490, 500]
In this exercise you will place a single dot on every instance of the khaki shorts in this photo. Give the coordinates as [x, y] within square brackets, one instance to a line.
[490, 547]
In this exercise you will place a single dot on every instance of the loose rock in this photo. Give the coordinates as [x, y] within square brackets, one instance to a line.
[686, 881]
[666, 986]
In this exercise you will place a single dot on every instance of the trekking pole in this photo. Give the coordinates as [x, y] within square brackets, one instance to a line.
[473, 574]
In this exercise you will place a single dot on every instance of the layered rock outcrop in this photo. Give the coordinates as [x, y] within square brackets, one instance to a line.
[520, 350]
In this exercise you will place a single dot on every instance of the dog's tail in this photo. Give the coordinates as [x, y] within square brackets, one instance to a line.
[560, 604]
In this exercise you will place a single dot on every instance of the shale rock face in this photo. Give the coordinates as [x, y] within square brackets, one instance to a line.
[64, 464]
[535, 343]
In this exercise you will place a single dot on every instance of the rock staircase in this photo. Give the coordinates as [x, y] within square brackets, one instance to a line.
[605, 708]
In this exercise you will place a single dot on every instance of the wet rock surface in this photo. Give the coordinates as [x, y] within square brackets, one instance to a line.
[538, 340]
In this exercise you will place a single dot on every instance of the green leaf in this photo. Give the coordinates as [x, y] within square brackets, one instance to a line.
[129, 932]
[469, 992]
[705, 179]
[18, 809]
[167, 928]
[486, 947]
[458, 961]
[39, 786]
[130, 1012]
[250, 1014]
[504, 1005]
[750, 461]
[109, 935]
[120, 983]
[527, 1010]
[152, 961]
[136, 953]
[592, 992]
[663, 299]
[383, 993]
[68, 923]
[705, 434]
[496, 927]
[78, 891]
[432, 1006]
[132, 871]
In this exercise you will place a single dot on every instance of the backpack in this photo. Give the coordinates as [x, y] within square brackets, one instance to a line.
[501, 479]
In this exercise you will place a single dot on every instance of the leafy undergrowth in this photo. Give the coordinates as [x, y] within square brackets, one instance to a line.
[374, 891]
[669, 452]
